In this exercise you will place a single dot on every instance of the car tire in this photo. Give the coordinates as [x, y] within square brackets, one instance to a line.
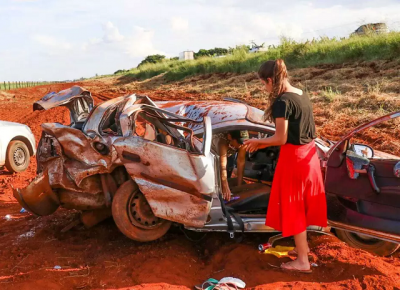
[372, 245]
[17, 156]
[127, 224]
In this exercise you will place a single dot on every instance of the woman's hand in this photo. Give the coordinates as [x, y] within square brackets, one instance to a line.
[226, 192]
[253, 145]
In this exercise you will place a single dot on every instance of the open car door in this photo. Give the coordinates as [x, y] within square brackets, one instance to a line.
[363, 190]
[173, 169]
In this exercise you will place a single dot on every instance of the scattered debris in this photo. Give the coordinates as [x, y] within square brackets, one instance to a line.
[279, 251]
[263, 247]
[224, 283]
[57, 267]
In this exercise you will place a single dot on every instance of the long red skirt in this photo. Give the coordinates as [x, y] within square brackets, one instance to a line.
[297, 197]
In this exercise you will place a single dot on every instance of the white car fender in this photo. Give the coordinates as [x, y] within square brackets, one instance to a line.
[14, 131]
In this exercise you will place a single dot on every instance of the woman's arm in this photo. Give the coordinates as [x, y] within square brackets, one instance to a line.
[278, 139]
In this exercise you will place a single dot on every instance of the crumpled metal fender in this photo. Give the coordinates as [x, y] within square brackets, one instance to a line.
[38, 197]
[73, 171]
[80, 158]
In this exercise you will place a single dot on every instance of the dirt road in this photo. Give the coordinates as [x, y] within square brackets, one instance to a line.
[102, 258]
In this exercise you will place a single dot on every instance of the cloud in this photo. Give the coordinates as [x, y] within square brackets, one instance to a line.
[139, 43]
[179, 24]
[52, 45]
[111, 33]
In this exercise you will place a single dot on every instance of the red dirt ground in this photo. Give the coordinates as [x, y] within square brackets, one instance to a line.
[102, 258]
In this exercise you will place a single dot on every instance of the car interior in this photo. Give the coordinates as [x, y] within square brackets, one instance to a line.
[151, 126]
[253, 195]
[368, 184]
[110, 124]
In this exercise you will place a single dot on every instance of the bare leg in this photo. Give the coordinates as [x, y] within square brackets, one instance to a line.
[294, 251]
[301, 263]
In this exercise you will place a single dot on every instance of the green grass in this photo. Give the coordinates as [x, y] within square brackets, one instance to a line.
[329, 94]
[322, 51]
[17, 85]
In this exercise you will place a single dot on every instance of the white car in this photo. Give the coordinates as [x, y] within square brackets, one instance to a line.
[17, 145]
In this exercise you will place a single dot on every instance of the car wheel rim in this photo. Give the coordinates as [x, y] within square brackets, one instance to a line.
[19, 157]
[140, 213]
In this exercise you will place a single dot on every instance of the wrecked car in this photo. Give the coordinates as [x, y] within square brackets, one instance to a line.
[150, 164]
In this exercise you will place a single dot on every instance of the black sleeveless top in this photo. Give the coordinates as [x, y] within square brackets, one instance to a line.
[297, 109]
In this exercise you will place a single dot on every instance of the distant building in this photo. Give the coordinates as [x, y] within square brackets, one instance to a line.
[186, 55]
[370, 28]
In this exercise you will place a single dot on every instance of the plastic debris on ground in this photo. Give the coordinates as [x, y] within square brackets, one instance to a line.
[226, 283]
[23, 210]
[232, 281]
[278, 251]
[8, 217]
[57, 267]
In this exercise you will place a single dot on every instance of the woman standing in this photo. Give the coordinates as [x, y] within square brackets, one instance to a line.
[297, 196]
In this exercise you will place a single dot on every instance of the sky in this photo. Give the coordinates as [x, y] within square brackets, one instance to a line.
[56, 40]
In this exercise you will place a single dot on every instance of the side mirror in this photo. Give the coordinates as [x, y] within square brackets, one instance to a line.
[207, 136]
[363, 150]
[356, 164]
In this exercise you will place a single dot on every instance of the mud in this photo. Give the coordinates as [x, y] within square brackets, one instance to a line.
[102, 258]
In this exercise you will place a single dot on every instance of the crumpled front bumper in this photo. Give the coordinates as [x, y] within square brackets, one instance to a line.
[38, 197]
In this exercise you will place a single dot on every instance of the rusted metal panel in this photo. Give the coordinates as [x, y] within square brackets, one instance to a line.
[93, 123]
[218, 111]
[78, 101]
[61, 98]
[81, 200]
[174, 205]
[168, 163]
[77, 146]
[189, 178]
[38, 197]
[97, 115]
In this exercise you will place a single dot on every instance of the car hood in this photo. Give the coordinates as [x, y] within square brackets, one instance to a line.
[62, 98]
[78, 100]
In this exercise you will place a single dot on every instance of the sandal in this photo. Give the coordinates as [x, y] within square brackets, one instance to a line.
[294, 269]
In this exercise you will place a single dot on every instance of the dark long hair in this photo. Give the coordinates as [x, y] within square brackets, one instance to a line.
[277, 72]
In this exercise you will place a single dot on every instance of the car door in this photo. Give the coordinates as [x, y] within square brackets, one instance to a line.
[177, 182]
[363, 192]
